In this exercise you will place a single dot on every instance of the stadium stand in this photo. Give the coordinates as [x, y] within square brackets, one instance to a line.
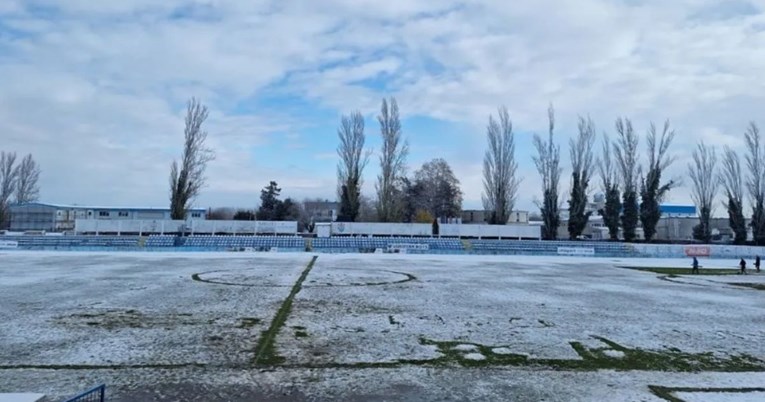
[73, 242]
[160, 241]
[257, 242]
[522, 247]
[343, 244]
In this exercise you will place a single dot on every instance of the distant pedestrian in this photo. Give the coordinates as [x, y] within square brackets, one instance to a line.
[742, 264]
[757, 263]
[695, 269]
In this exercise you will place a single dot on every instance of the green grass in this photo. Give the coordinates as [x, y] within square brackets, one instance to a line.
[248, 322]
[686, 271]
[757, 286]
[667, 392]
[596, 359]
[265, 351]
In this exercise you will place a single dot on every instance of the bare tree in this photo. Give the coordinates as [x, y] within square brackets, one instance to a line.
[499, 169]
[8, 179]
[441, 195]
[582, 170]
[547, 162]
[731, 179]
[703, 176]
[353, 160]
[755, 182]
[188, 178]
[392, 163]
[27, 189]
[625, 149]
[652, 191]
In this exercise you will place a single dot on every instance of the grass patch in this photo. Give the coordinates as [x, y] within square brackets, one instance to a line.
[265, 351]
[757, 286]
[248, 322]
[301, 334]
[653, 360]
[686, 271]
[598, 359]
[116, 319]
[666, 393]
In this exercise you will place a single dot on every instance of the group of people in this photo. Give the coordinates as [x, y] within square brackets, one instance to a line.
[741, 265]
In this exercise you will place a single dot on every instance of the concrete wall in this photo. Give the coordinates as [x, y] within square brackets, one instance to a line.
[426, 229]
[145, 227]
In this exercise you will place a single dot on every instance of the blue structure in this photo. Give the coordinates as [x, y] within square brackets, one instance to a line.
[678, 211]
[97, 394]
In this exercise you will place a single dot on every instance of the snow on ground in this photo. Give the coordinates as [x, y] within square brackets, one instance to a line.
[153, 329]
[721, 396]
[533, 306]
[15, 397]
[107, 309]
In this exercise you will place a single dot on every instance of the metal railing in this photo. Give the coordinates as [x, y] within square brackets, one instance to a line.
[96, 394]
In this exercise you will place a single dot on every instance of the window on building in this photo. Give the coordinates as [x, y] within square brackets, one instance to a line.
[103, 213]
[123, 214]
[196, 215]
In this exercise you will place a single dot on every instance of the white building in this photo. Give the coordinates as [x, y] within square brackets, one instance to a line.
[58, 218]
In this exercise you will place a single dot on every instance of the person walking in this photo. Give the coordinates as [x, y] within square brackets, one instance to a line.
[742, 264]
[695, 269]
[757, 263]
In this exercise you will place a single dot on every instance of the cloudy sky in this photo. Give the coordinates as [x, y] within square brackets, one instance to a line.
[96, 89]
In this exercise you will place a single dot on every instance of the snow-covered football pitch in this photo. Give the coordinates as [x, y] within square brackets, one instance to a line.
[294, 327]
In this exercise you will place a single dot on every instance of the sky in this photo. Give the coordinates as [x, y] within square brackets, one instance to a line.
[96, 90]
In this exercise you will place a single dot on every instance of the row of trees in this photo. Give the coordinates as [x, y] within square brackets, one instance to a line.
[18, 183]
[633, 192]
[433, 191]
[707, 177]
[272, 208]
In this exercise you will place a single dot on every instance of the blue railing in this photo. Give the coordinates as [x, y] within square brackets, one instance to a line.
[96, 394]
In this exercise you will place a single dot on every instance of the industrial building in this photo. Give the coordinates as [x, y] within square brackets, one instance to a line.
[321, 211]
[61, 218]
[480, 216]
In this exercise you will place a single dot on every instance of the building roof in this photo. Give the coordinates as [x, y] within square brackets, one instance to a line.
[103, 208]
[678, 209]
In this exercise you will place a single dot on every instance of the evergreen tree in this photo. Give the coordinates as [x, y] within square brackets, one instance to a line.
[630, 217]
[577, 205]
[244, 215]
[269, 202]
[287, 210]
[737, 221]
[611, 211]
[703, 232]
[348, 209]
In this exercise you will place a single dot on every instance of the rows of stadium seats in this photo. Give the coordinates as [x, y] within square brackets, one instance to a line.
[351, 243]
[338, 244]
[547, 247]
[160, 241]
[288, 242]
[49, 242]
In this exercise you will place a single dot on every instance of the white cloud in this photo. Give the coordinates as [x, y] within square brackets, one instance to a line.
[96, 89]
